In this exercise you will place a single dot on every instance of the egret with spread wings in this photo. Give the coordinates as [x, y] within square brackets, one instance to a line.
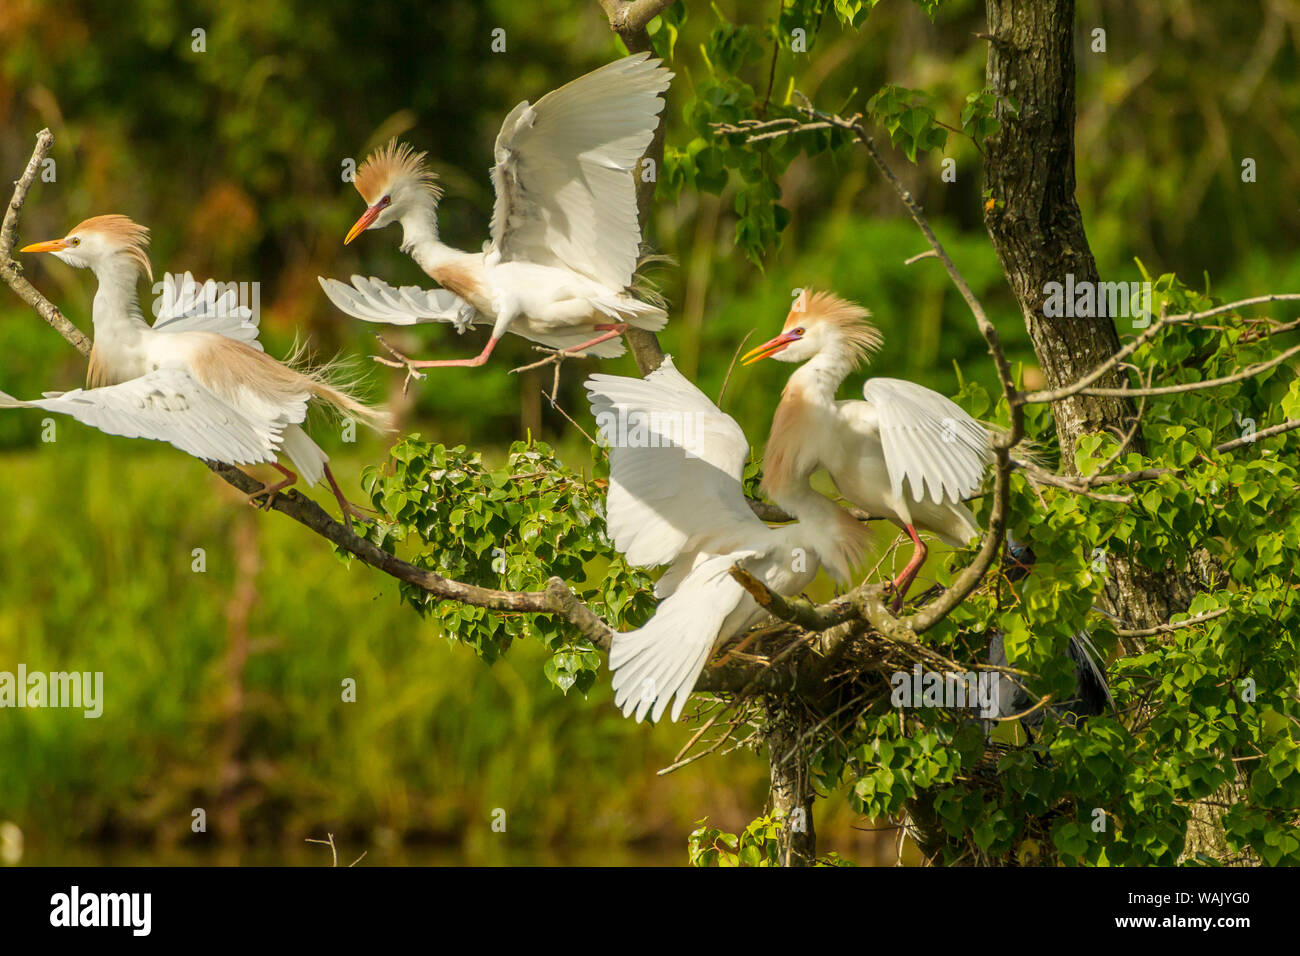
[197, 378]
[906, 453]
[676, 499]
[566, 237]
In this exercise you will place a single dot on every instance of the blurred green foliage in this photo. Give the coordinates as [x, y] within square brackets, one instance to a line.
[223, 689]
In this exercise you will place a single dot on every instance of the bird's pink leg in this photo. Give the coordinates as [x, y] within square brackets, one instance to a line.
[348, 508]
[411, 365]
[612, 330]
[904, 580]
[271, 490]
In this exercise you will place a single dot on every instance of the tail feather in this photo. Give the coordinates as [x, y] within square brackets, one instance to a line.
[661, 661]
[307, 456]
[236, 370]
[644, 287]
[345, 404]
[633, 311]
[333, 383]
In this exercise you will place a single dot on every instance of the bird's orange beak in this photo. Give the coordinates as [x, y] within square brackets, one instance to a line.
[51, 245]
[768, 348]
[361, 225]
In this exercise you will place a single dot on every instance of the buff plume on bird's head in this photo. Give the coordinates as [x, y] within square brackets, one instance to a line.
[820, 322]
[393, 181]
[100, 243]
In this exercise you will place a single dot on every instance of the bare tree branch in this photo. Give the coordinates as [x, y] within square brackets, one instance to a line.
[1057, 394]
[1241, 375]
[1084, 484]
[12, 272]
[1166, 628]
[630, 17]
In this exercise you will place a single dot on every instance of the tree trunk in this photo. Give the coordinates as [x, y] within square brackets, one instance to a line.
[1036, 225]
[792, 796]
[1037, 229]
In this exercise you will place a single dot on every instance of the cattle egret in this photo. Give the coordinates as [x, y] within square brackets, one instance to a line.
[676, 499]
[566, 238]
[907, 453]
[198, 377]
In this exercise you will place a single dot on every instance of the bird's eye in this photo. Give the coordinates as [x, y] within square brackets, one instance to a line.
[798, 331]
[386, 201]
[74, 241]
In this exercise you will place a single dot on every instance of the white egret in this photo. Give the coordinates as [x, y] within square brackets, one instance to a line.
[198, 377]
[906, 453]
[566, 237]
[676, 499]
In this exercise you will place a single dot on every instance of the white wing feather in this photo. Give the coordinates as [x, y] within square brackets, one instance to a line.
[565, 171]
[663, 659]
[168, 405]
[374, 300]
[676, 464]
[929, 441]
[187, 305]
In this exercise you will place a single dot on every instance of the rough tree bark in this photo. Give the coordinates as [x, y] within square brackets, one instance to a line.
[791, 791]
[1036, 225]
[1038, 232]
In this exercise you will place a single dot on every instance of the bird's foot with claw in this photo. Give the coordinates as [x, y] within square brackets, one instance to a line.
[399, 361]
[896, 604]
[556, 356]
[266, 492]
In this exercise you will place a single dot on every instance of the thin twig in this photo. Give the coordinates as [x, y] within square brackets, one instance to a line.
[1166, 628]
[735, 355]
[1065, 391]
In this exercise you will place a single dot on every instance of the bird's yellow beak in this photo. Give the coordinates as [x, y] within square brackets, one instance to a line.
[50, 245]
[361, 225]
[768, 348]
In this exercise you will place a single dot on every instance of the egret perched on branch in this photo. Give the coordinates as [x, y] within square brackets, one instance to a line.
[676, 499]
[566, 238]
[198, 377]
[907, 453]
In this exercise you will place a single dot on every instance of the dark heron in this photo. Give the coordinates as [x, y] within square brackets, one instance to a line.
[1010, 697]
